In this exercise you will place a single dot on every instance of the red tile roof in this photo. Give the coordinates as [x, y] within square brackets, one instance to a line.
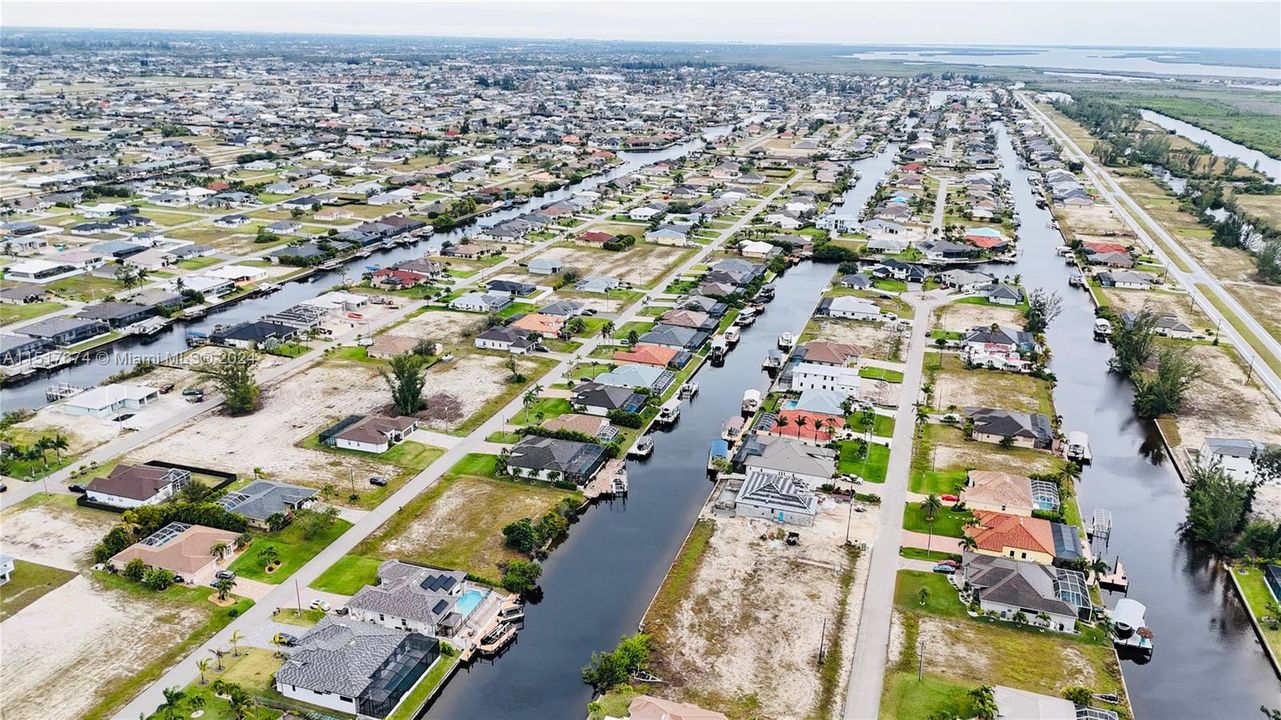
[998, 531]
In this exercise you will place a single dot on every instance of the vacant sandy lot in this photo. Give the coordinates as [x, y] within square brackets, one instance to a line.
[1098, 220]
[961, 317]
[641, 265]
[293, 409]
[990, 457]
[1219, 404]
[466, 384]
[73, 643]
[55, 533]
[1262, 301]
[957, 386]
[450, 328]
[877, 341]
[749, 592]
[1164, 303]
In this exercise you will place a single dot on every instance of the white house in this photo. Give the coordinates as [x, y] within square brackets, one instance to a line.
[6, 568]
[854, 308]
[371, 434]
[1234, 455]
[108, 400]
[40, 271]
[644, 214]
[131, 486]
[667, 236]
[757, 249]
[835, 378]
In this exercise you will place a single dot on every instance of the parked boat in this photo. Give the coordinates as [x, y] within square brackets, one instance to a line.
[732, 429]
[717, 455]
[1130, 633]
[773, 360]
[669, 412]
[194, 313]
[786, 341]
[643, 448]
[1076, 279]
[732, 335]
[745, 318]
[150, 326]
[497, 638]
[1078, 447]
[766, 293]
[267, 288]
[751, 400]
[719, 347]
[689, 389]
[1102, 330]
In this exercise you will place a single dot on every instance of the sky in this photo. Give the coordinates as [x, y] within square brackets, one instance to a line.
[1179, 23]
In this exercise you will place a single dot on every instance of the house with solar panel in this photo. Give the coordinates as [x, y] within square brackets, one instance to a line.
[434, 602]
[775, 495]
[1048, 596]
[356, 668]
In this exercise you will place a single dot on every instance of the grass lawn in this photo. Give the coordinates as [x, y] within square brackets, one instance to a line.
[252, 669]
[199, 263]
[29, 583]
[27, 311]
[674, 593]
[1255, 589]
[872, 468]
[547, 408]
[932, 696]
[85, 287]
[411, 457]
[884, 426]
[956, 384]
[589, 371]
[640, 327]
[874, 373]
[932, 555]
[930, 474]
[294, 551]
[348, 575]
[946, 522]
[427, 686]
[506, 438]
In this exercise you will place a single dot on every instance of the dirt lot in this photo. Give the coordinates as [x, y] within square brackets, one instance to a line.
[293, 409]
[68, 649]
[987, 456]
[742, 582]
[877, 341]
[960, 317]
[1095, 220]
[450, 328]
[1219, 404]
[460, 388]
[1165, 303]
[956, 385]
[641, 265]
[55, 532]
[1262, 301]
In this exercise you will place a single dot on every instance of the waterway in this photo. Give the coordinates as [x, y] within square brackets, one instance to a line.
[598, 584]
[1164, 62]
[167, 344]
[872, 171]
[1218, 144]
[1208, 662]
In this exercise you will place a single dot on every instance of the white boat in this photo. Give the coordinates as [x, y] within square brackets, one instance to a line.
[1129, 627]
[731, 335]
[751, 400]
[1102, 329]
[1078, 447]
[773, 360]
[732, 429]
[689, 389]
[719, 347]
[745, 318]
[643, 448]
[669, 412]
[786, 341]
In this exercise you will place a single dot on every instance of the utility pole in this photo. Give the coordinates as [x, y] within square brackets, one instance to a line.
[920, 659]
[1249, 372]
[822, 643]
[298, 596]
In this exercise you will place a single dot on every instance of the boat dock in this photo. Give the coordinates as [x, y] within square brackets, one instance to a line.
[61, 391]
[610, 481]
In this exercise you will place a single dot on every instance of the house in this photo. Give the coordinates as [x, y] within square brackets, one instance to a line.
[387, 345]
[645, 213]
[548, 326]
[1164, 324]
[371, 433]
[510, 287]
[413, 597]
[546, 458]
[116, 314]
[261, 499]
[131, 486]
[824, 352]
[181, 549]
[545, 266]
[597, 284]
[590, 425]
[108, 400]
[804, 425]
[668, 235]
[965, 281]
[811, 465]
[6, 568]
[1012, 703]
[40, 271]
[998, 492]
[595, 237]
[857, 281]
[1023, 538]
[656, 355]
[758, 249]
[647, 707]
[396, 278]
[355, 667]
[1029, 430]
[1235, 455]
[1111, 259]
[853, 308]
[595, 398]
[1000, 337]
[256, 334]
[656, 379]
[688, 319]
[675, 337]
[775, 495]
[1002, 294]
[836, 378]
[505, 338]
[480, 302]
[15, 349]
[1049, 596]
[1126, 280]
[899, 270]
[563, 308]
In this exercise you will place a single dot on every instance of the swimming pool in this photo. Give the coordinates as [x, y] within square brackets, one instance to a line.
[468, 602]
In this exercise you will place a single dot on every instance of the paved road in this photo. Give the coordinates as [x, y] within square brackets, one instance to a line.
[863, 697]
[185, 671]
[1128, 210]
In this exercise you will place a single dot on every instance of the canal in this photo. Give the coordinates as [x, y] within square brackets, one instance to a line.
[872, 171]
[1208, 662]
[1218, 144]
[598, 584]
[128, 351]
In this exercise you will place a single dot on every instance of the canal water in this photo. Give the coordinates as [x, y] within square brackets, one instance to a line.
[1208, 662]
[598, 584]
[872, 171]
[128, 352]
[1218, 144]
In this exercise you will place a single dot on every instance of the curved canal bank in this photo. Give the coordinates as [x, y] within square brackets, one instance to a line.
[598, 582]
[127, 352]
[1208, 661]
[1218, 144]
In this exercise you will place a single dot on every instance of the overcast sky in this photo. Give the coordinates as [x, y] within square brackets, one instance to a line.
[1049, 22]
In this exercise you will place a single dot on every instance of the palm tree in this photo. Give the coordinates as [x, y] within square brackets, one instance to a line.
[196, 702]
[44, 444]
[1100, 567]
[269, 556]
[781, 423]
[984, 702]
[930, 506]
[58, 443]
[223, 586]
[607, 330]
[217, 652]
[173, 698]
[203, 666]
[818, 428]
[801, 422]
[242, 540]
[236, 637]
[529, 398]
[219, 551]
[968, 542]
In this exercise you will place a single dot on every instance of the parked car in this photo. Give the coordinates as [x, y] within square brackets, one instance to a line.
[179, 580]
[193, 391]
[76, 488]
[944, 569]
[285, 639]
[225, 575]
[589, 311]
[319, 604]
[378, 480]
[954, 563]
[950, 498]
[166, 388]
[3, 487]
[951, 418]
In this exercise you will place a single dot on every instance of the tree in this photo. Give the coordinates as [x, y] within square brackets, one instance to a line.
[983, 701]
[607, 330]
[521, 536]
[236, 637]
[217, 684]
[551, 526]
[1078, 695]
[242, 540]
[173, 700]
[513, 368]
[203, 666]
[233, 372]
[224, 586]
[1217, 505]
[1133, 342]
[634, 651]
[529, 398]
[135, 569]
[521, 576]
[406, 382]
[58, 443]
[930, 508]
[157, 579]
[314, 523]
[1042, 309]
[923, 595]
[1268, 261]
[219, 551]
[269, 556]
[1161, 392]
[632, 338]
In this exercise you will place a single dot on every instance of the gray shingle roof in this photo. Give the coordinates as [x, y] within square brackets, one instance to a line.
[340, 656]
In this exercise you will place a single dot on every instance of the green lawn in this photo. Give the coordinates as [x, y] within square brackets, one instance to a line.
[18, 313]
[546, 408]
[29, 583]
[874, 373]
[199, 263]
[506, 438]
[884, 426]
[1257, 595]
[932, 696]
[946, 522]
[872, 468]
[425, 689]
[348, 575]
[589, 370]
[294, 552]
[410, 456]
[934, 555]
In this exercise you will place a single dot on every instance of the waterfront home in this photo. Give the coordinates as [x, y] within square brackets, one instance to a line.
[758, 249]
[804, 425]
[898, 270]
[413, 597]
[116, 314]
[108, 400]
[775, 495]
[857, 281]
[371, 433]
[688, 318]
[355, 667]
[850, 307]
[261, 499]
[1110, 259]
[181, 549]
[590, 425]
[480, 302]
[826, 352]
[1237, 457]
[1025, 705]
[673, 336]
[1165, 324]
[397, 278]
[506, 339]
[256, 334]
[546, 458]
[1000, 492]
[986, 238]
[130, 486]
[1047, 596]
[1126, 280]
[998, 338]
[638, 376]
[594, 398]
[1028, 430]
[836, 378]
[656, 355]
[814, 466]
[966, 281]
[1002, 294]
[1024, 538]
